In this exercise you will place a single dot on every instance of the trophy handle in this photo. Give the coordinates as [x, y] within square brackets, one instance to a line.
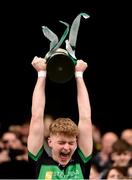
[71, 42]
[54, 44]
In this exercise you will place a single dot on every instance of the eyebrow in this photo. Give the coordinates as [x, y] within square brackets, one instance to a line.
[5, 141]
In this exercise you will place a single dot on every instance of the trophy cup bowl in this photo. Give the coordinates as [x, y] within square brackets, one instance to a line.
[60, 67]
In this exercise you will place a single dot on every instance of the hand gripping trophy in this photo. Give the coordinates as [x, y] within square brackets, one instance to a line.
[61, 62]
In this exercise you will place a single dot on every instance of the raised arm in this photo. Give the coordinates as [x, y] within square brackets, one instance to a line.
[36, 129]
[85, 141]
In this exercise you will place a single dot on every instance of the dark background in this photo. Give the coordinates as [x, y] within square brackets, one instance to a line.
[102, 42]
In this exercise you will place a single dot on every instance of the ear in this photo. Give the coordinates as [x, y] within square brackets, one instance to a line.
[49, 142]
[75, 147]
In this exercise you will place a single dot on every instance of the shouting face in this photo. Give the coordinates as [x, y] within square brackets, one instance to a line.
[62, 147]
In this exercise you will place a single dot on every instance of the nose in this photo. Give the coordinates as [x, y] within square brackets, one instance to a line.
[66, 146]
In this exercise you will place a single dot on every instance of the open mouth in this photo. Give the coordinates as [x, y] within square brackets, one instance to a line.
[64, 156]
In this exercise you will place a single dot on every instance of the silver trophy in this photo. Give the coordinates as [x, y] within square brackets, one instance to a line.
[61, 62]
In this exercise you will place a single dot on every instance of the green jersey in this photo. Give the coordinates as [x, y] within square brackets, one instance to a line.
[48, 169]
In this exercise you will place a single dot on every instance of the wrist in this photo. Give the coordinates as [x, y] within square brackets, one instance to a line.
[78, 74]
[42, 73]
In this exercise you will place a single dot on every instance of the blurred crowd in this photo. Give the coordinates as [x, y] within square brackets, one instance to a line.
[112, 153]
[13, 153]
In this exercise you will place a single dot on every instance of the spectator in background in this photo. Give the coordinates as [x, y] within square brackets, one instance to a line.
[116, 172]
[10, 140]
[94, 173]
[14, 146]
[21, 131]
[4, 156]
[102, 158]
[120, 156]
[121, 153]
[13, 158]
[126, 134]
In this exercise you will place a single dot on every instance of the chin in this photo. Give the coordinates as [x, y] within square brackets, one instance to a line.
[64, 163]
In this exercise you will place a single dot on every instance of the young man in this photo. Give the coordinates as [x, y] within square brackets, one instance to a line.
[121, 153]
[71, 145]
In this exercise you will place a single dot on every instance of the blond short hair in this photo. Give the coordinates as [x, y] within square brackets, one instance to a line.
[64, 126]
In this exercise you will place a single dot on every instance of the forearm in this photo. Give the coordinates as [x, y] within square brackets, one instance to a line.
[38, 99]
[83, 99]
[36, 129]
[85, 126]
